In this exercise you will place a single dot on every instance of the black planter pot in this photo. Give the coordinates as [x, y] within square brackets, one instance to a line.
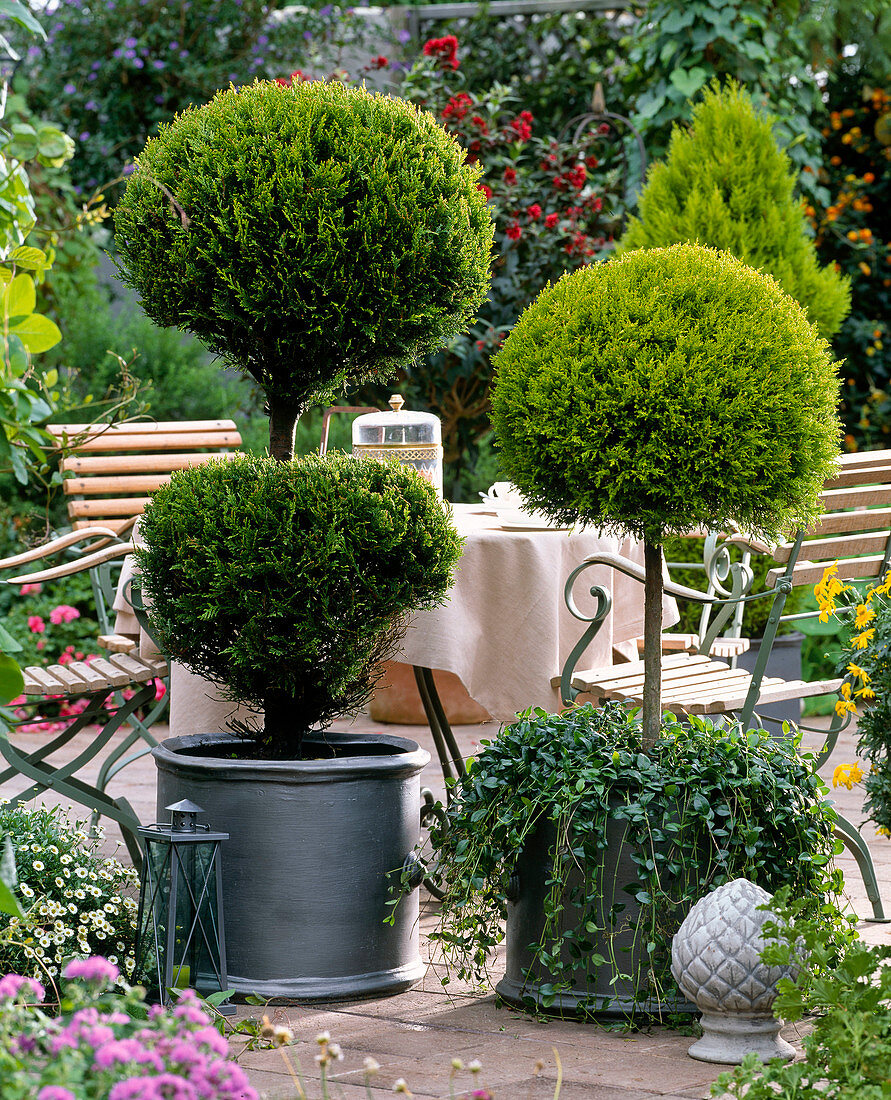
[595, 989]
[784, 662]
[313, 849]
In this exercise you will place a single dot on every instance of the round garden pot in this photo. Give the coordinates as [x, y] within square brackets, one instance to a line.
[314, 847]
[596, 987]
[784, 662]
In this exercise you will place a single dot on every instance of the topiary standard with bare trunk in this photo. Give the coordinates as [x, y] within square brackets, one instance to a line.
[666, 390]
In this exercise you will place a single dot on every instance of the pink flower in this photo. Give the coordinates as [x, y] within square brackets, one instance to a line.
[12, 985]
[35, 624]
[30, 589]
[94, 969]
[55, 1092]
[64, 613]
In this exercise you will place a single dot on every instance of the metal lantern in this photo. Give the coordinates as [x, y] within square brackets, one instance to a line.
[414, 438]
[180, 941]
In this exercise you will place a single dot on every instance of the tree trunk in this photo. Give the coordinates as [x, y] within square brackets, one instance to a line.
[282, 424]
[652, 694]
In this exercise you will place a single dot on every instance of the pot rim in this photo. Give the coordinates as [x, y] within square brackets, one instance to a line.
[407, 758]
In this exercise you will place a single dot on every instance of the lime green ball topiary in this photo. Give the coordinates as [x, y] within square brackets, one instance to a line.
[288, 582]
[308, 234]
[726, 183]
[665, 390]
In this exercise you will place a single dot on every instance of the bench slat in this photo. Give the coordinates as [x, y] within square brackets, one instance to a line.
[830, 549]
[808, 572]
[159, 462]
[159, 442]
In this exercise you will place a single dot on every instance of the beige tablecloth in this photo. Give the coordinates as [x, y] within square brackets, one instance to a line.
[504, 632]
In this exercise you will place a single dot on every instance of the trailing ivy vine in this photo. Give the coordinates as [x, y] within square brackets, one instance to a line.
[707, 805]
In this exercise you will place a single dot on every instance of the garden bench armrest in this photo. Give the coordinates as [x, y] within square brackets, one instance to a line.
[78, 565]
[636, 572]
[61, 542]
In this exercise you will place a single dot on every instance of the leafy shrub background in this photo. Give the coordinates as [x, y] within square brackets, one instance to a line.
[113, 72]
[853, 231]
[76, 902]
[726, 184]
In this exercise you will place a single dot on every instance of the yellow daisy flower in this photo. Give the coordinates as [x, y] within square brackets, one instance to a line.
[856, 670]
[846, 775]
[862, 640]
[863, 616]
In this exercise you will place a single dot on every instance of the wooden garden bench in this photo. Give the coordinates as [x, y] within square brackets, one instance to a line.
[112, 470]
[854, 532]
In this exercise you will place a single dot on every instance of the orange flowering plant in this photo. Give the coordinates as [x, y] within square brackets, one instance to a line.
[866, 690]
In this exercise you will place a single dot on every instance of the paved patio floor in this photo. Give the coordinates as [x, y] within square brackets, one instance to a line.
[416, 1035]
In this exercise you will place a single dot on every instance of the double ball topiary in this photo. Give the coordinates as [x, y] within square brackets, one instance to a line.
[309, 234]
[288, 582]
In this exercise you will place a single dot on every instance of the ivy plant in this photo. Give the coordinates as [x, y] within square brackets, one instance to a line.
[703, 806]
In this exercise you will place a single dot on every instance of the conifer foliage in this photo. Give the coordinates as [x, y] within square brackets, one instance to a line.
[726, 184]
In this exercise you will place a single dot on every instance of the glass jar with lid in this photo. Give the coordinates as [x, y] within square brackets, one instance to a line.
[414, 438]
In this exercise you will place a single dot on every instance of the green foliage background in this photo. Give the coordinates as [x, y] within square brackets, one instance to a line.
[726, 184]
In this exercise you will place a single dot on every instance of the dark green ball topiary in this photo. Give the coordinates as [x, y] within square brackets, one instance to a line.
[308, 234]
[665, 390]
[288, 582]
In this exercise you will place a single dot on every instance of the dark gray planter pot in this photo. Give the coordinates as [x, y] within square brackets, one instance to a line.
[785, 662]
[595, 987]
[313, 848]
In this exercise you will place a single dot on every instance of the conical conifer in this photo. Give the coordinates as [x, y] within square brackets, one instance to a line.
[725, 183]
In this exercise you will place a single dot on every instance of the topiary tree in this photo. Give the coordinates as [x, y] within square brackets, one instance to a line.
[725, 183]
[287, 582]
[309, 234]
[661, 391]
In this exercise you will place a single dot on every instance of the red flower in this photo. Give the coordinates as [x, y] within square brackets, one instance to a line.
[527, 116]
[480, 124]
[457, 107]
[592, 162]
[534, 211]
[603, 128]
[521, 127]
[596, 204]
[510, 175]
[514, 231]
[577, 176]
[445, 50]
[486, 190]
[551, 220]
[379, 62]
[295, 78]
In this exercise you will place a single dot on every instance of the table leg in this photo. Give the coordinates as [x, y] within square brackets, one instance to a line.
[450, 759]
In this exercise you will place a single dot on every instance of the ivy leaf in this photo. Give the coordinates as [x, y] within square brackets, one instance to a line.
[688, 81]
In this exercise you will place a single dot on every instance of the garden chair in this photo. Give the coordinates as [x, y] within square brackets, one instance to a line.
[854, 532]
[109, 472]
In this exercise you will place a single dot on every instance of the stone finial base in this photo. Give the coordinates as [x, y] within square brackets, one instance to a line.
[728, 1038]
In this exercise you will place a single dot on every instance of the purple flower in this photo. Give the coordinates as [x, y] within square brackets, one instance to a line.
[55, 1092]
[83, 136]
[94, 969]
[69, 88]
[158, 63]
[96, 65]
[326, 10]
[91, 105]
[173, 46]
[404, 36]
[138, 63]
[128, 169]
[11, 985]
[263, 40]
[184, 53]
[118, 52]
[34, 51]
[130, 42]
[307, 35]
[92, 76]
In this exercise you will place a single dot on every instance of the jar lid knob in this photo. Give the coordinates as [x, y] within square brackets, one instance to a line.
[396, 402]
